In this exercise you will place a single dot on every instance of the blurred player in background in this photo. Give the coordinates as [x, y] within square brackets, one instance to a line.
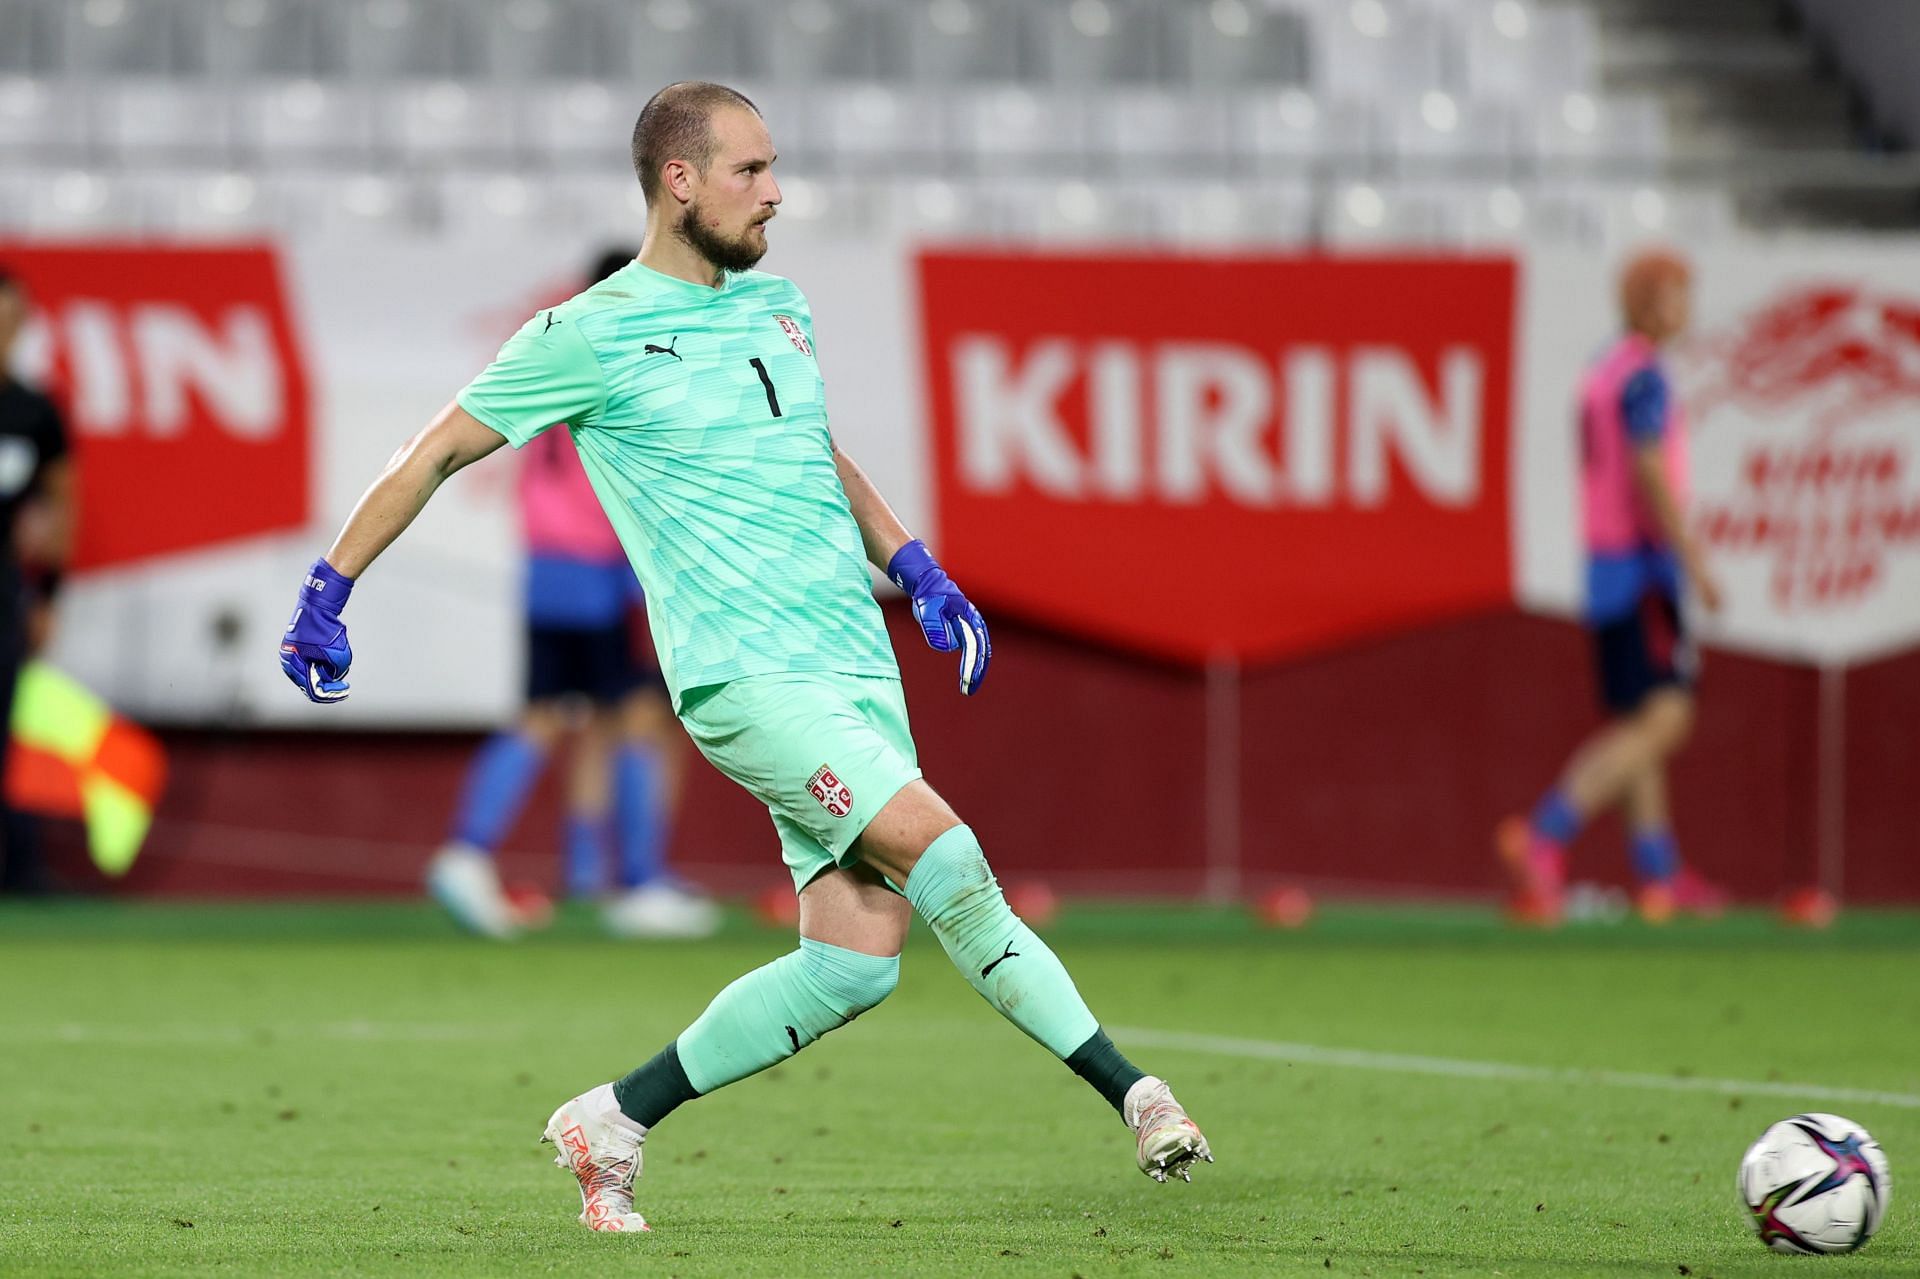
[36, 537]
[1641, 559]
[585, 675]
[690, 382]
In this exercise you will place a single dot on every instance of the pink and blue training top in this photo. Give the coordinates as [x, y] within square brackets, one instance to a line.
[1625, 405]
[578, 577]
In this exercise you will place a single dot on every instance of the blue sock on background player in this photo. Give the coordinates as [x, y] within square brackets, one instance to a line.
[1656, 859]
[496, 787]
[586, 845]
[1554, 818]
[638, 815]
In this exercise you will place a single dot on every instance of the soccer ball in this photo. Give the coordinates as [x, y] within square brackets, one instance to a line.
[1815, 1183]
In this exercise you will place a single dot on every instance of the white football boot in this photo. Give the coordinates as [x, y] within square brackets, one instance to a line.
[601, 1148]
[463, 879]
[661, 911]
[1169, 1141]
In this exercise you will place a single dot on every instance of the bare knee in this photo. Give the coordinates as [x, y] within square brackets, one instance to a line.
[544, 723]
[851, 907]
[902, 830]
[644, 717]
[1666, 721]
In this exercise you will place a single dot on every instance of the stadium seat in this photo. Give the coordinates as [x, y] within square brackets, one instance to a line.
[381, 39]
[1363, 48]
[1280, 130]
[449, 122]
[73, 202]
[1627, 215]
[1495, 216]
[500, 205]
[43, 120]
[600, 207]
[668, 40]
[1582, 131]
[1438, 130]
[303, 121]
[1224, 215]
[548, 40]
[1369, 215]
[358, 205]
[958, 40]
[936, 210]
[214, 204]
[1514, 50]
[125, 37]
[14, 194]
[1096, 42]
[1073, 211]
[580, 123]
[142, 122]
[858, 123]
[1012, 129]
[270, 38]
[1131, 127]
[803, 41]
[29, 39]
[1221, 43]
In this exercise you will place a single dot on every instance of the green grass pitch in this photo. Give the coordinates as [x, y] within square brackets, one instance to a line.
[355, 1090]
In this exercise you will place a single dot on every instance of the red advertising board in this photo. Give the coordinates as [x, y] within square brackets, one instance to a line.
[1239, 457]
[186, 394]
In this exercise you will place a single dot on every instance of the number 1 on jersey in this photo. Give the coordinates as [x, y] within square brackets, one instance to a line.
[773, 401]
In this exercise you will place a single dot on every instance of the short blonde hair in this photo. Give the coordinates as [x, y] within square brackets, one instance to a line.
[677, 124]
[1642, 280]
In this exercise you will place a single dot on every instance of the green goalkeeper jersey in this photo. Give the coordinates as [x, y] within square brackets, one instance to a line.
[700, 416]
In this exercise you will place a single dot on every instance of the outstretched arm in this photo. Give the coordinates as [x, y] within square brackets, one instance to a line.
[449, 442]
[314, 651]
[946, 618]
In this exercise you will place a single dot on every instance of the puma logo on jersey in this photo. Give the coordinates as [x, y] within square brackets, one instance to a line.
[550, 323]
[651, 349]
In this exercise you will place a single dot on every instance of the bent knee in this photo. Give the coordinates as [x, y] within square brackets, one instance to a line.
[852, 982]
[1667, 719]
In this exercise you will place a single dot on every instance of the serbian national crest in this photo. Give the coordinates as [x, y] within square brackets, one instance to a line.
[829, 789]
[795, 334]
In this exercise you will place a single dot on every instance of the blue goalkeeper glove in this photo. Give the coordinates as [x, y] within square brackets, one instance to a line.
[945, 617]
[315, 653]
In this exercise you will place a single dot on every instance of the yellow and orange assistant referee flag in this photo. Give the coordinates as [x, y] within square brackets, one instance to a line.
[72, 756]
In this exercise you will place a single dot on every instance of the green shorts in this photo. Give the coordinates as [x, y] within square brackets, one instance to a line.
[823, 752]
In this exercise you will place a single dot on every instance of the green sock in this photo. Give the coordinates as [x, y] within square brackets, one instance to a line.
[999, 955]
[648, 1093]
[776, 1010]
[1101, 1064]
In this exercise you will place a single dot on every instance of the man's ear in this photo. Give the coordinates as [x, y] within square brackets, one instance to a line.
[676, 177]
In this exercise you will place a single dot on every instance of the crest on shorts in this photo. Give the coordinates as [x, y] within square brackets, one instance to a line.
[830, 791]
[795, 334]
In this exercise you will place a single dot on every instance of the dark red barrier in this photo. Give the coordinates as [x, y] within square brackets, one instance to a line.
[1380, 769]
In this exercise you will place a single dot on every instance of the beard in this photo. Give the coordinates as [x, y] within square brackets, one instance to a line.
[728, 253]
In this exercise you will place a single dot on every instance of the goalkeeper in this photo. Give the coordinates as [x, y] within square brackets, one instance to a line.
[690, 384]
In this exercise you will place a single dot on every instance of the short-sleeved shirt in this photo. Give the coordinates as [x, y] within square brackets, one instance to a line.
[1626, 404]
[32, 436]
[700, 416]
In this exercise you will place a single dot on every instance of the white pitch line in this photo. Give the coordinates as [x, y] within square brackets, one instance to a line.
[1458, 1068]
